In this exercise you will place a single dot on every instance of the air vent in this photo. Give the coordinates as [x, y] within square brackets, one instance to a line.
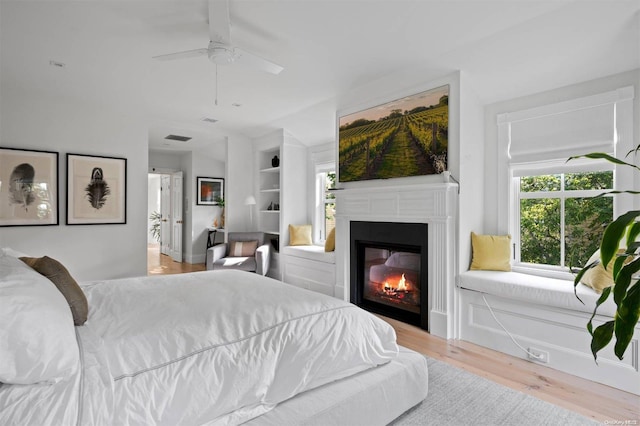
[57, 64]
[178, 138]
[210, 120]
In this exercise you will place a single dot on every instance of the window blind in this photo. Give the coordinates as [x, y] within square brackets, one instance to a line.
[559, 131]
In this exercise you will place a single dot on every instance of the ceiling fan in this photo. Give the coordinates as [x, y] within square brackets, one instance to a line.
[220, 50]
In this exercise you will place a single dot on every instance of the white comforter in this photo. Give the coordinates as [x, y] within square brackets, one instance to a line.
[203, 348]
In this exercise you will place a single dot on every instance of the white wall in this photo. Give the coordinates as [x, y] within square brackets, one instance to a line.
[162, 162]
[495, 162]
[201, 216]
[239, 182]
[471, 171]
[293, 178]
[89, 251]
[153, 204]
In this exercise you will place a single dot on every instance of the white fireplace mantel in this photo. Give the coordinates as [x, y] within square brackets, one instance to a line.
[432, 203]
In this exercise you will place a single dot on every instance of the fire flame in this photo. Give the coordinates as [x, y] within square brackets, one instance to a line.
[402, 286]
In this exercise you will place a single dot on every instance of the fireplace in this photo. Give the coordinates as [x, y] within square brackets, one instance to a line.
[389, 270]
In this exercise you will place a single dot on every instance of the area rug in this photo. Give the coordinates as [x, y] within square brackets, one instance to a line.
[457, 397]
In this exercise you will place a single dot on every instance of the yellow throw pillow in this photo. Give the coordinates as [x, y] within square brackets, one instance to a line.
[597, 277]
[330, 244]
[491, 252]
[300, 235]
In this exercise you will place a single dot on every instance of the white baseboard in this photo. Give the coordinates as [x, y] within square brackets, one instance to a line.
[199, 258]
[438, 324]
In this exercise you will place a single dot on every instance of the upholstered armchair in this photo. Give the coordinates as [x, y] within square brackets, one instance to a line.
[246, 251]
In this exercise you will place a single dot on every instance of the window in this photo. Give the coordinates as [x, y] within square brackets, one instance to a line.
[559, 220]
[550, 206]
[325, 202]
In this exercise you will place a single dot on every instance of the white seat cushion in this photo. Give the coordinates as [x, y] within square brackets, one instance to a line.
[241, 263]
[536, 289]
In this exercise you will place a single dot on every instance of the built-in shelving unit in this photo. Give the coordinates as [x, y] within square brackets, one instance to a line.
[280, 189]
[269, 191]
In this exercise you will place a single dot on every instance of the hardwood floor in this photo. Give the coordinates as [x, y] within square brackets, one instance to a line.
[593, 400]
[161, 264]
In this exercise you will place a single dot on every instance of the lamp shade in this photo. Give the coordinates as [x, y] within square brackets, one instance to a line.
[250, 201]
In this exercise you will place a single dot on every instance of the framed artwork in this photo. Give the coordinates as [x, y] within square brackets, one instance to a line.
[408, 136]
[28, 187]
[209, 191]
[96, 190]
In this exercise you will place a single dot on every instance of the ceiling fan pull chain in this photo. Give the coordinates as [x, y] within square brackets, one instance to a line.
[216, 102]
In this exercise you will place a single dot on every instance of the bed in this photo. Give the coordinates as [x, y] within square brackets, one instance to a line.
[213, 347]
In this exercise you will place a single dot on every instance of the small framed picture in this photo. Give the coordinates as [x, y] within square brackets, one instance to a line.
[28, 187]
[210, 191]
[96, 190]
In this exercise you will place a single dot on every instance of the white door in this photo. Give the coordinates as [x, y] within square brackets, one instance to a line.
[165, 213]
[176, 216]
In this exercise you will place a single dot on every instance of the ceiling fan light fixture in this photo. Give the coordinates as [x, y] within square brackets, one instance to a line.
[220, 51]
[221, 54]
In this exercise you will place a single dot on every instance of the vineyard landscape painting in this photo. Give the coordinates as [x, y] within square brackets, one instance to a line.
[405, 137]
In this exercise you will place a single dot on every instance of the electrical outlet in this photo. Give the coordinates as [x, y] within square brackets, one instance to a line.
[538, 355]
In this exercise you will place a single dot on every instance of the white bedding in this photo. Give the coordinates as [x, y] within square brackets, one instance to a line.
[204, 348]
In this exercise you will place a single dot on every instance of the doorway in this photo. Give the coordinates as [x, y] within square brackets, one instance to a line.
[165, 221]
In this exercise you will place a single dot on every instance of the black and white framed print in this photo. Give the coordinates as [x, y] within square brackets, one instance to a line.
[96, 190]
[28, 187]
[210, 191]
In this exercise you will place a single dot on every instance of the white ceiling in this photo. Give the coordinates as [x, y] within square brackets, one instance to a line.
[505, 49]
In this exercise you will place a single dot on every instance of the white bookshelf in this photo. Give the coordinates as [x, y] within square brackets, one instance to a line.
[283, 185]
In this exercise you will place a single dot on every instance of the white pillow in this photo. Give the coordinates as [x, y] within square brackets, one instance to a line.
[11, 252]
[37, 336]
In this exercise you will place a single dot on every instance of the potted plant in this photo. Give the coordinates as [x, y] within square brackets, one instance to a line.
[155, 219]
[622, 233]
[220, 202]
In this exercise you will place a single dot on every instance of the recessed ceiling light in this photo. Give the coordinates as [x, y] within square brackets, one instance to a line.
[235, 104]
[209, 120]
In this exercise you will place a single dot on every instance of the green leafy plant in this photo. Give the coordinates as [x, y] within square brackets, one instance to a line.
[220, 202]
[155, 219]
[621, 233]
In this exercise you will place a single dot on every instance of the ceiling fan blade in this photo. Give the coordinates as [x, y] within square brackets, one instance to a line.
[250, 60]
[219, 21]
[182, 55]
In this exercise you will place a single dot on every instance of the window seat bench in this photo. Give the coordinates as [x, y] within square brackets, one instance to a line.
[309, 267]
[536, 289]
[543, 314]
[311, 252]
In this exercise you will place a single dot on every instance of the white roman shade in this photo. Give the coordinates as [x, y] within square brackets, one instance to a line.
[565, 129]
[563, 135]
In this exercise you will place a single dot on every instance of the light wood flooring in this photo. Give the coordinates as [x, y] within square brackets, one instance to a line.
[593, 400]
[160, 264]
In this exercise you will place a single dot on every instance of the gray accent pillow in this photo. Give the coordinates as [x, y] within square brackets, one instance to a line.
[59, 275]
